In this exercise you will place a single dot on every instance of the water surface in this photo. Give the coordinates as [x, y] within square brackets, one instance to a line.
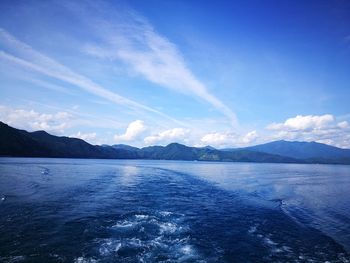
[70, 210]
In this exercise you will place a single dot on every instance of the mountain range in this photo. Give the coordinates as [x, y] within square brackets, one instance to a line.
[20, 143]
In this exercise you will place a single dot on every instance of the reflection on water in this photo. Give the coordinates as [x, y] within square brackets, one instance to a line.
[66, 210]
[128, 175]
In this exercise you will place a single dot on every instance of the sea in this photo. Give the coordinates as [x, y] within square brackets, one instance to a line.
[88, 210]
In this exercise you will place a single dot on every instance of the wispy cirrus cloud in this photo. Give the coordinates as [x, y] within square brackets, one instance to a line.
[133, 40]
[25, 56]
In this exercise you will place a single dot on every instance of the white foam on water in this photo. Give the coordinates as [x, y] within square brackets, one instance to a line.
[176, 249]
[252, 229]
[134, 242]
[286, 249]
[109, 246]
[141, 217]
[125, 224]
[266, 239]
[168, 228]
[117, 247]
[145, 237]
[159, 233]
[165, 213]
[159, 242]
[276, 248]
[188, 253]
[85, 260]
[57, 257]
[45, 171]
[269, 242]
[187, 249]
[13, 259]
[153, 221]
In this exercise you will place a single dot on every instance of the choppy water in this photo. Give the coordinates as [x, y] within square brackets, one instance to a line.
[66, 210]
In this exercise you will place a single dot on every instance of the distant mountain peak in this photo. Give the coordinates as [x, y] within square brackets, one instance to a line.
[124, 147]
[15, 142]
[176, 144]
[302, 150]
[42, 132]
[209, 147]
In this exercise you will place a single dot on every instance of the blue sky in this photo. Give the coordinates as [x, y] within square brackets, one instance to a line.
[226, 74]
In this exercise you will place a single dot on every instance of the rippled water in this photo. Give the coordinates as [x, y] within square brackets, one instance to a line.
[66, 210]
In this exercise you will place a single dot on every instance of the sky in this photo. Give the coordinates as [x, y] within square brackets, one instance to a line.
[219, 73]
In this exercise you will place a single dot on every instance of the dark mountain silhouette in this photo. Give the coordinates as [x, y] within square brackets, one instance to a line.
[176, 151]
[304, 150]
[15, 142]
[125, 147]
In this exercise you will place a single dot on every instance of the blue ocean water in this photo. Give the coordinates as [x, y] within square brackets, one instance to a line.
[71, 210]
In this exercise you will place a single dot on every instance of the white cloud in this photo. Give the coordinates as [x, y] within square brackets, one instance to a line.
[228, 139]
[300, 122]
[31, 59]
[343, 125]
[32, 120]
[168, 136]
[134, 130]
[134, 41]
[89, 137]
[250, 137]
[320, 128]
[218, 139]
